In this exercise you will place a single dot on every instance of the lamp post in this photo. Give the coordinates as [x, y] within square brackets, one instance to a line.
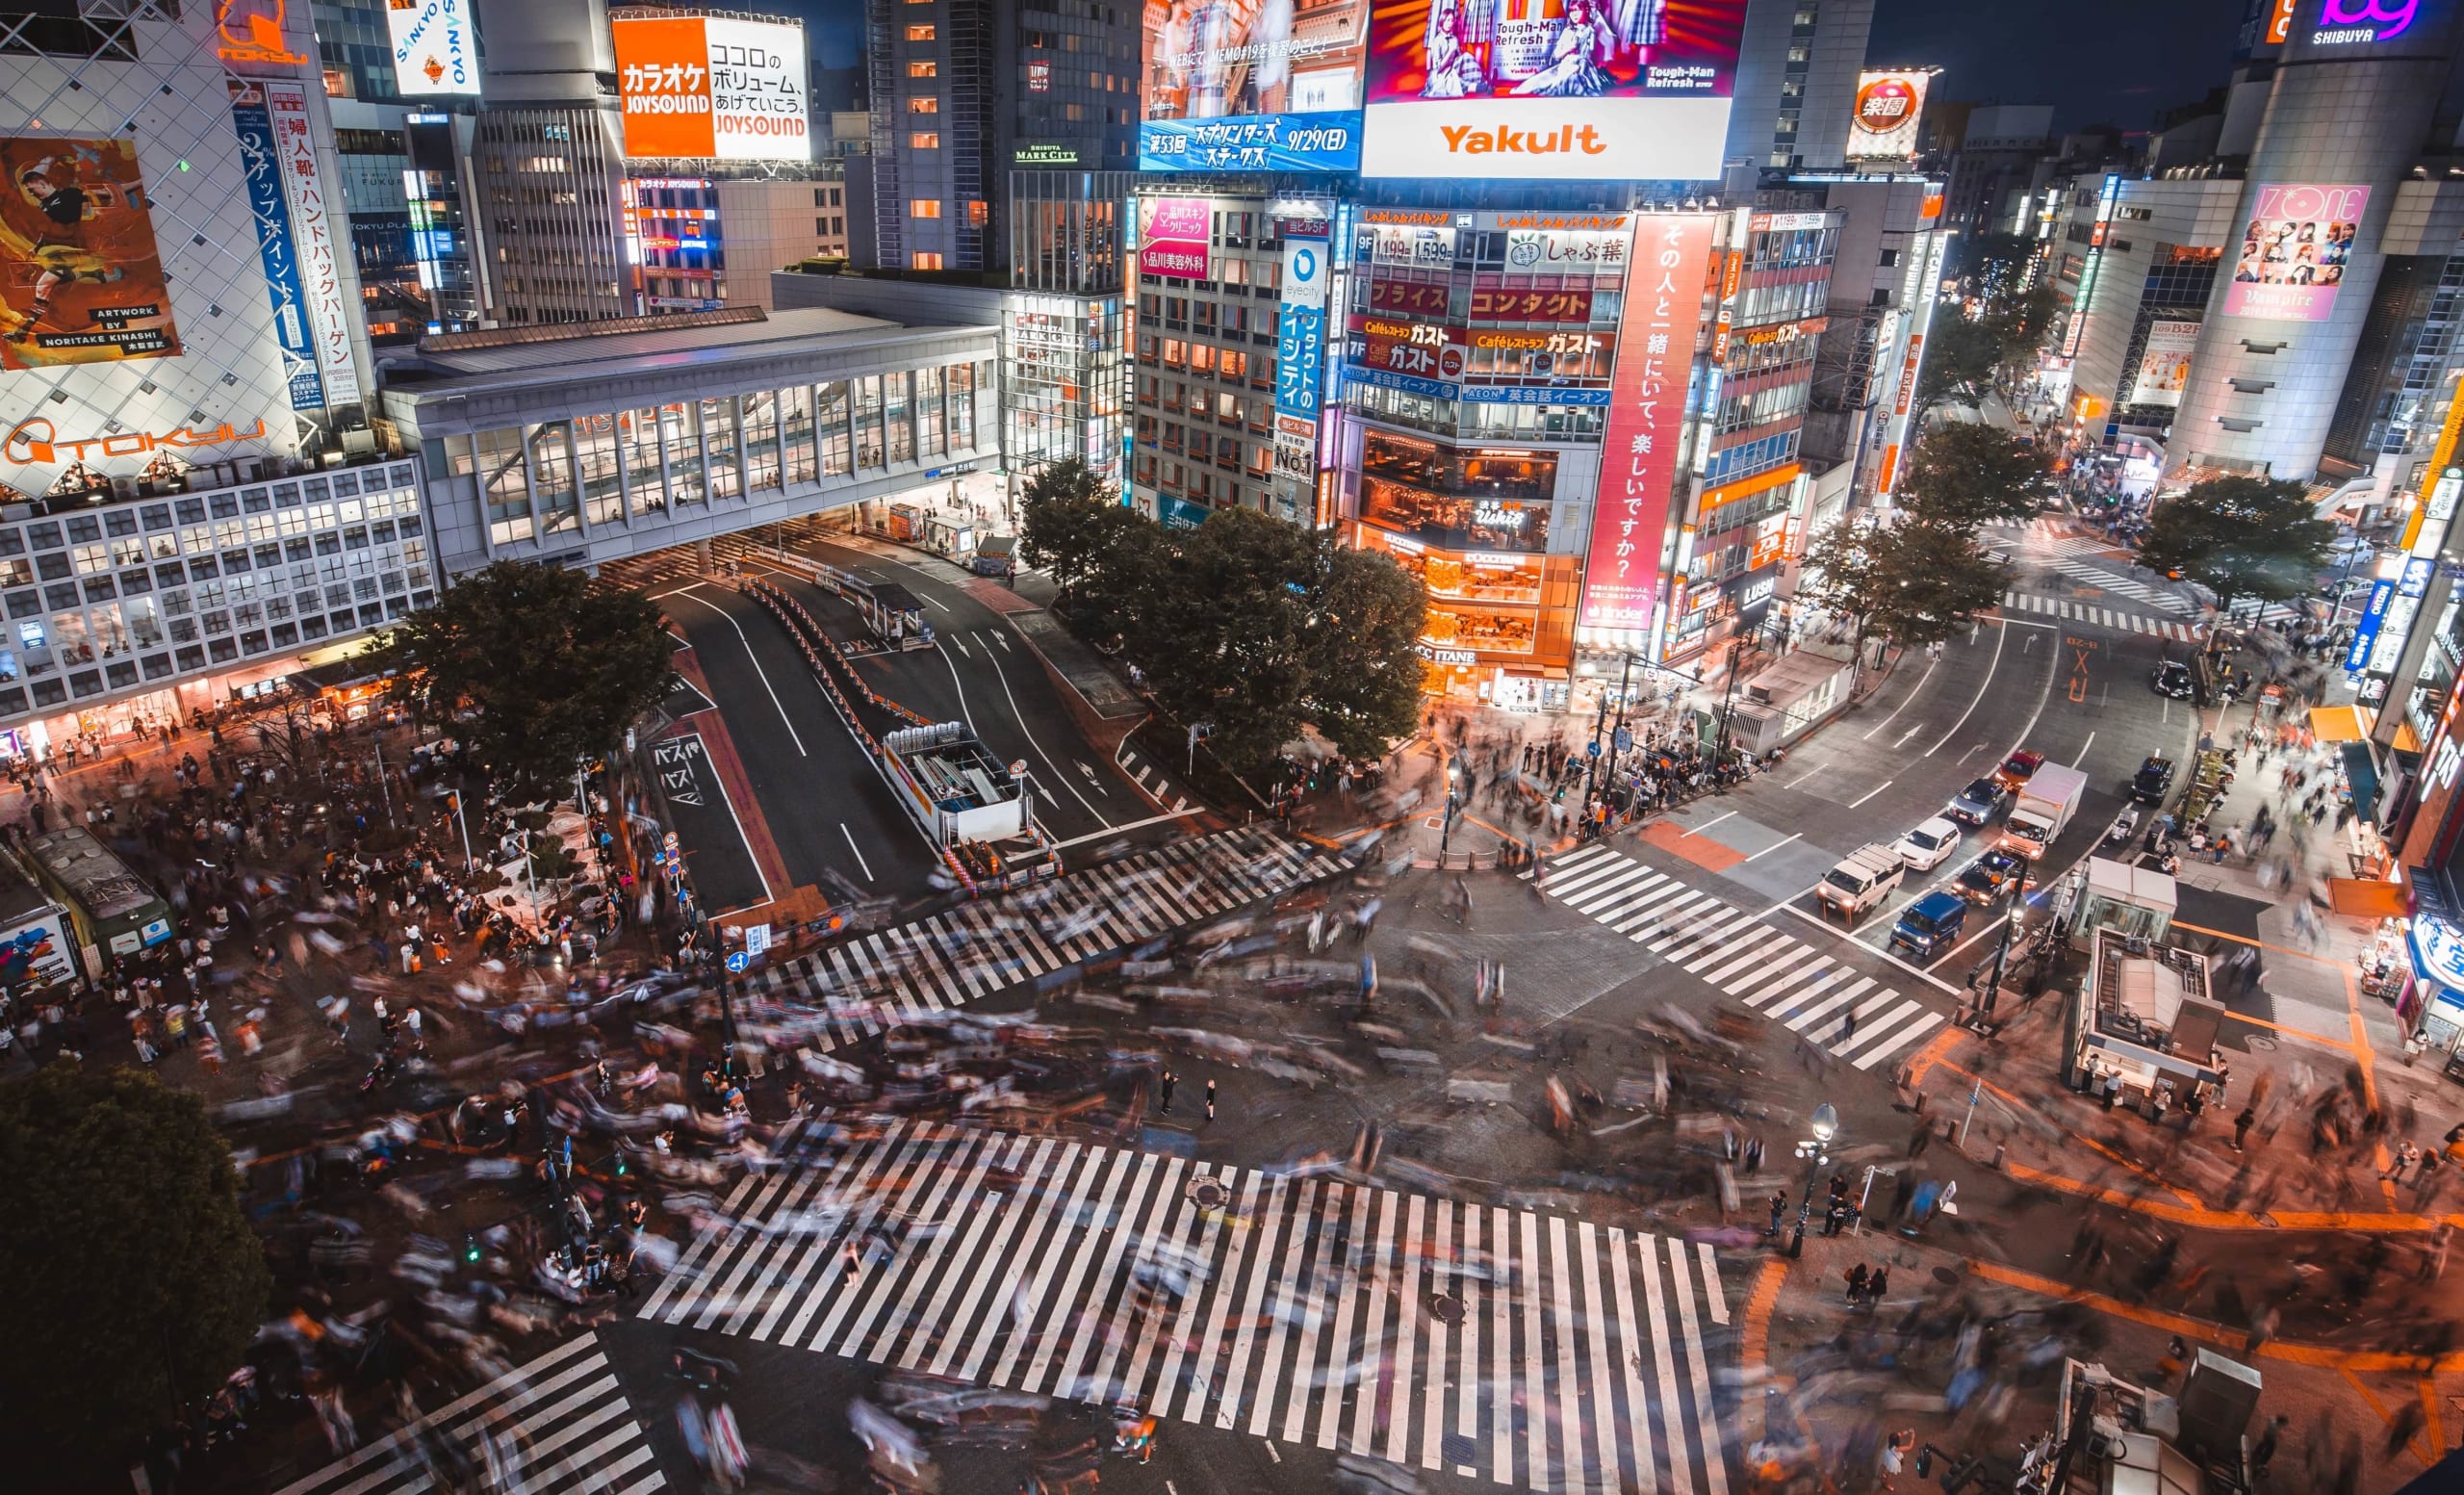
[1453, 800]
[1992, 995]
[1817, 1153]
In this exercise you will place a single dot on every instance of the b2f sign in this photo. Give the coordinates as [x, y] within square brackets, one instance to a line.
[707, 87]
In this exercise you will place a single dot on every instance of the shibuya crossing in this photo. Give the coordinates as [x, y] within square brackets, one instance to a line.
[1697, 747]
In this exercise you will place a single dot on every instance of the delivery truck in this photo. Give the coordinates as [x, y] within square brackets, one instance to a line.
[2045, 806]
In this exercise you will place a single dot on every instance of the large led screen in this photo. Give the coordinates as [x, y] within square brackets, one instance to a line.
[2293, 253]
[81, 280]
[1252, 87]
[1566, 90]
[708, 88]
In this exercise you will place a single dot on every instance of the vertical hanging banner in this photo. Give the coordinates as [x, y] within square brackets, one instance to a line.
[274, 250]
[1672, 260]
[330, 313]
[1300, 357]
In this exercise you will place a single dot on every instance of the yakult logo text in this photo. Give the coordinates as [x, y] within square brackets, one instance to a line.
[1464, 139]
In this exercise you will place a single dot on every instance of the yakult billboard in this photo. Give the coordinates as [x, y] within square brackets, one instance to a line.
[705, 87]
[1558, 90]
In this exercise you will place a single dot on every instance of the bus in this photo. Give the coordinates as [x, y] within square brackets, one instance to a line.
[114, 911]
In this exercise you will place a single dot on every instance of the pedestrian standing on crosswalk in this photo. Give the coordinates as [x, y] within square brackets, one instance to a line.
[1169, 1080]
[1210, 1100]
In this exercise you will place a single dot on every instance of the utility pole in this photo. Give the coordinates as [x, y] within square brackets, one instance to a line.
[1992, 994]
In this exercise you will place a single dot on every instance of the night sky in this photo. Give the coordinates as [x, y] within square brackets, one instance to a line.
[2097, 61]
[2112, 61]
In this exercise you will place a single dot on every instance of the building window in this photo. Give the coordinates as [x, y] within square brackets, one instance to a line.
[924, 104]
[681, 436]
[595, 460]
[979, 214]
[923, 67]
[829, 417]
[761, 440]
[718, 424]
[638, 438]
[923, 259]
[505, 486]
[920, 33]
[924, 140]
[924, 207]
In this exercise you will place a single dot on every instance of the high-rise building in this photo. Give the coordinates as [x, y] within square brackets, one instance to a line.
[2333, 172]
[1796, 83]
[1992, 167]
[549, 165]
[964, 92]
[194, 503]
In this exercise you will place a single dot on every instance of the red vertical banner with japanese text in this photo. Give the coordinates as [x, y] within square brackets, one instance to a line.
[1647, 415]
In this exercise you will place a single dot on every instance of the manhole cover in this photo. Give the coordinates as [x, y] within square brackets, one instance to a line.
[1456, 1448]
[1206, 1192]
[2261, 1045]
[1446, 1308]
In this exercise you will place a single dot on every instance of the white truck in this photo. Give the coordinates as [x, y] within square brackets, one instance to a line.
[2045, 804]
[1860, 883]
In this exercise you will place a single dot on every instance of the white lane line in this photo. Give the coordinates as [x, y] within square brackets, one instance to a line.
[2082, 749]
[1697, 830]
[858, 850]
[1931, 665]
[757, 669]
[1999, 640]
[960, 644]
[1037, 745]
[1869, 793]
[1115, 830]
[1776, 845]
[961, 690]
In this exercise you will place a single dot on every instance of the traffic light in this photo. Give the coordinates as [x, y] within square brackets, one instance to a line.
[471, 1249]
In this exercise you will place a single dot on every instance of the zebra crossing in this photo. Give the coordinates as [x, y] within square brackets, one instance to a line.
[1855, 1016]
[2102, 617]
[559, 1423]
[1157, 785]
[973, 950]
[1517, 1348]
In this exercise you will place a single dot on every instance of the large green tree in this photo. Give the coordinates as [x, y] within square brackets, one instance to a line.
[1957, 360]
[536, 667]
[1072, 523]
[1258, 628]
[1912, 583]
[139, 1283]
[1963, 474]
[2238, 537]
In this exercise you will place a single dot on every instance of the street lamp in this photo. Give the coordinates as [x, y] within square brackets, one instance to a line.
[1992, 995]
[1817, 1153]
[1446, 827]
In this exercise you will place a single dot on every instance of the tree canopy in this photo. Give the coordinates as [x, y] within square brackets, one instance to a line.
[1964, 473]
[140, 1282]
[2238, 537]
[1914, 584]
[1071, 523]
[1959, 359]
[537, 666]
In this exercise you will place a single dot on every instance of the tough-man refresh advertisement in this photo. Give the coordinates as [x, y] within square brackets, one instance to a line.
[81, 280]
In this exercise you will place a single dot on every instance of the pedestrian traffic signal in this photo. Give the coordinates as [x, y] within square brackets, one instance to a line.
[471, 1249]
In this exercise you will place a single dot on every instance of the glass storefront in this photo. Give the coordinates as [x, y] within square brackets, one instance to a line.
[1471, 499]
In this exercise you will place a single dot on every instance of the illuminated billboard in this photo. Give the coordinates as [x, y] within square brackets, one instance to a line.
[707, 87]
[1561, 89]
[1888, 107]
[435, 50]
[2294, 249]
[1251, 88]
[1173, 234]
[1663, 311]
[81, 280]
[2165, 364]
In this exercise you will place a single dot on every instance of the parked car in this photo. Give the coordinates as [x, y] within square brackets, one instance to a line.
[1929, 846]
[2018, 769]
[1932, 924]
[2172, 678]
[1980, 802]
[2154, 777]
[1990, 878]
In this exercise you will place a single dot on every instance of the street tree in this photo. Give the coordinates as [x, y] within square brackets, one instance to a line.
[536, 667]
[1963, 474]
[1257, 628]
[2240, 537]
[140, 1282]
[1959, 359]
[1073, 523]
[1912, 583]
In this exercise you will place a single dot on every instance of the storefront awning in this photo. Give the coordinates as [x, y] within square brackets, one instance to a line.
[2367, 897]
[2337, 724]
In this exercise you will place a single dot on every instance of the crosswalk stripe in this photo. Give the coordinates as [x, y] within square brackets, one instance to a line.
[1837, 999]
[1796, 1000]
[1924, 1023]
[1600, 877]
[1759, 989]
